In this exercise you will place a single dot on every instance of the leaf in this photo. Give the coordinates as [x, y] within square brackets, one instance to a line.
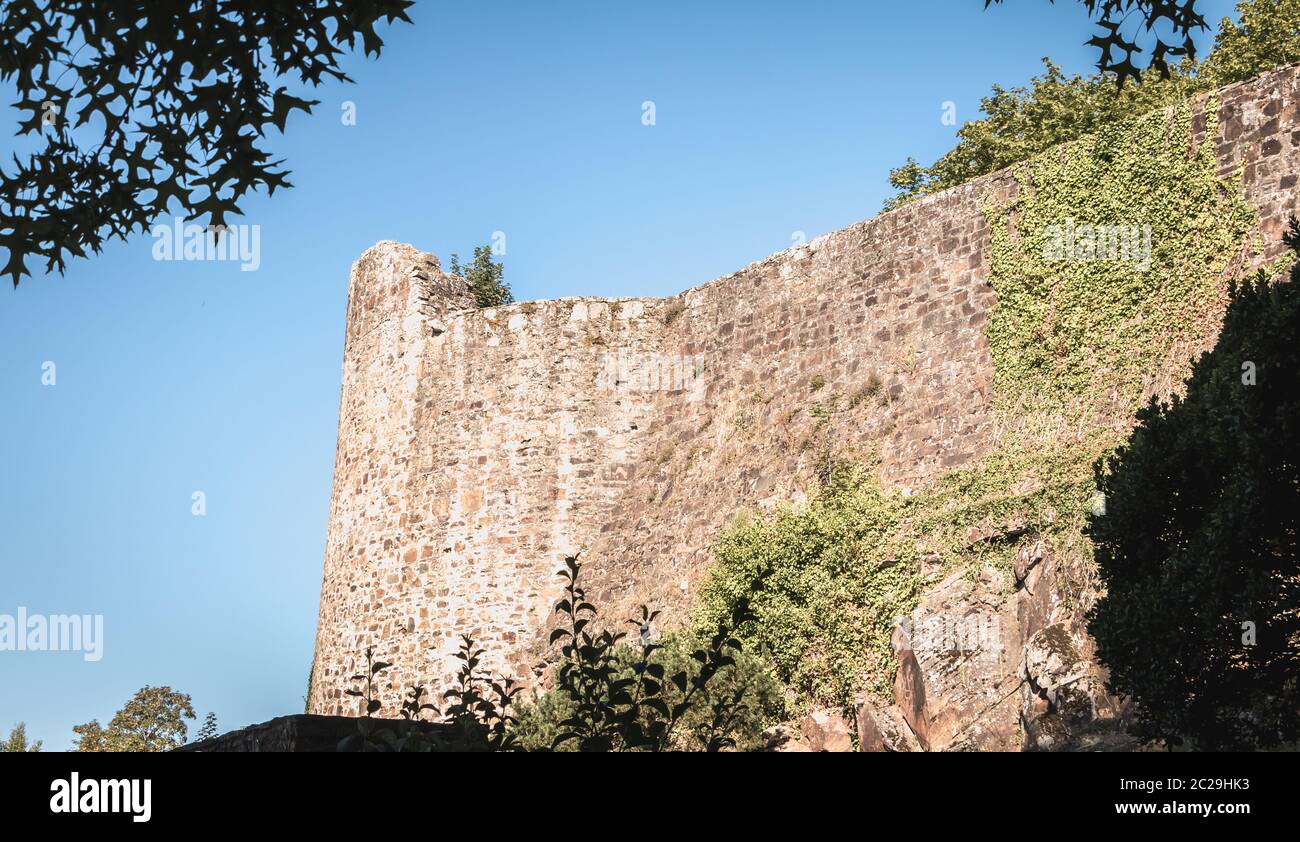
[283, 103]
[146, 84]
[658, 706]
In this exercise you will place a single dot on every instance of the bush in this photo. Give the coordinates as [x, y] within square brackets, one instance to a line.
[820, 586]
[688, 694]
[1198, 546]
[751, 679]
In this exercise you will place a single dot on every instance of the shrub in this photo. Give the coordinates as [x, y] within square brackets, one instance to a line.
[751, 680]
[478, 718]
[686, 694]
[626, 698]
[1198, 547]
[816, 587]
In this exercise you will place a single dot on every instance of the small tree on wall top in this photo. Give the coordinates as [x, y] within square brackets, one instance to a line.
[484, 278]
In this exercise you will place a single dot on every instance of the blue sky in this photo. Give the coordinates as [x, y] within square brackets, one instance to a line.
[525, 118]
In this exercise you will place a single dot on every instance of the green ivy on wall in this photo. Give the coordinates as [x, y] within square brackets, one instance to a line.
[1109, 268]
[825, 581]
[1110, 259]
[821, 581]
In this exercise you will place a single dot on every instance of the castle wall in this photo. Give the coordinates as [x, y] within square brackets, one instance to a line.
[477, 448]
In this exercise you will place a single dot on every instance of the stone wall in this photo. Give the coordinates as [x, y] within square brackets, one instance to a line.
[478, 447]
[308, 733]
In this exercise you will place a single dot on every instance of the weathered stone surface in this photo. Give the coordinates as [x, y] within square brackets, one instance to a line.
[963, 662]
[1028, 557]
[784, 738]
[1046, 731]
[909, 695]
[1059, 689]
[1053, 665]
[985, 665]
[825, 730]
[477, 447]
[882, 728]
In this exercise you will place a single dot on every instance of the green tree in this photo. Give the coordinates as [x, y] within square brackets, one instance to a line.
[484, 277]
[153, 720]
[1054, 108]
[1023, 121]
[17, 740]
[1199, 544]
[143, 106]
[1267, 37]
[208, 729]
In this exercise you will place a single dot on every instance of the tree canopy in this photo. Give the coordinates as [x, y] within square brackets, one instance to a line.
[1054, 108]
[1268, 36]
[153, 720]
[146, 107]
[17, 740]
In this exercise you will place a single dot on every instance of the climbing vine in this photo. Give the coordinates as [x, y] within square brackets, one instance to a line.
[825, 582]
[1110, 265]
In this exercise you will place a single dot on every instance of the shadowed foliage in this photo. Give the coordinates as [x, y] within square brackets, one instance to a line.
[607, 695]
[1199, 545]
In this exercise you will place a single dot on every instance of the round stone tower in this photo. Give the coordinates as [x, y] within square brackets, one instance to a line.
[397, 298]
